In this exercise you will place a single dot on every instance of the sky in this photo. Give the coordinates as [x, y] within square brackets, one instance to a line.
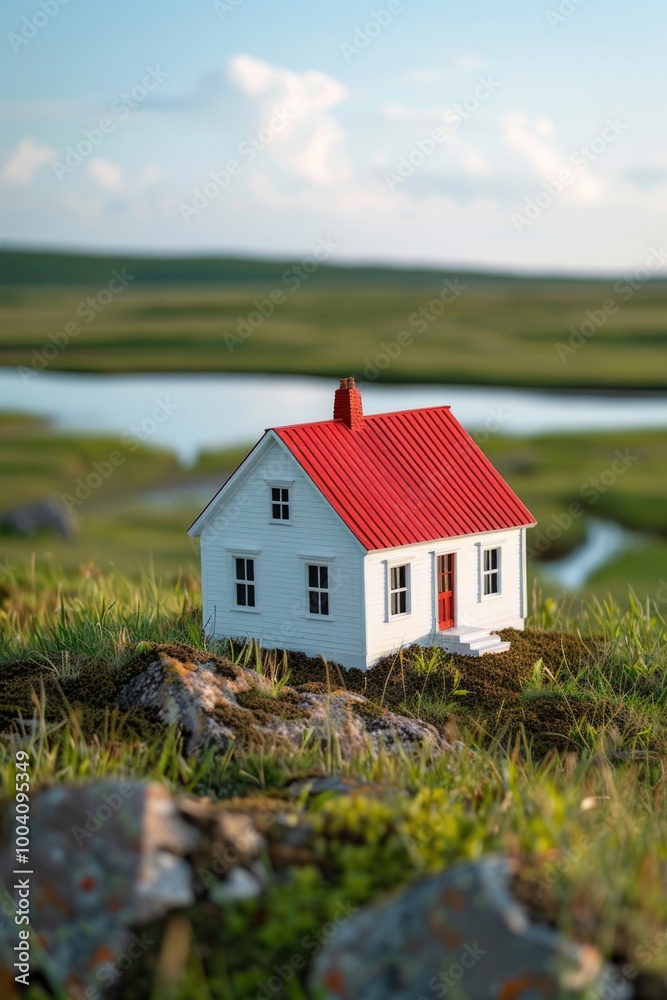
[528, 136]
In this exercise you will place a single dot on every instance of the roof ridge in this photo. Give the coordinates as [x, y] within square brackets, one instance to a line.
[366, 416]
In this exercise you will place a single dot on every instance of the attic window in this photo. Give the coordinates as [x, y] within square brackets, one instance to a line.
[491, 572]
[279, 503]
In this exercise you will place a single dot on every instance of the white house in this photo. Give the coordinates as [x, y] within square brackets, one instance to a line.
[350, 538]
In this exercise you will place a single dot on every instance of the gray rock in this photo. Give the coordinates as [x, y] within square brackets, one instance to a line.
[50, 516]
[217, 701]
[107, 858]
[459, 934]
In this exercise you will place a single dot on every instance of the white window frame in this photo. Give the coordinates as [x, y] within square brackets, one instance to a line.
[317, 560]
[319, 566]
[280, 484]
[407, 589]
[491, 572]
[248, 557]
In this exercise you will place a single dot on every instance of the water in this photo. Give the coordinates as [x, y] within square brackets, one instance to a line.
[188, 413]
[604, 541]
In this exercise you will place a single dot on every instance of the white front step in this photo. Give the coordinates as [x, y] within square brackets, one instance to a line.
[470, 641]
[464, 633]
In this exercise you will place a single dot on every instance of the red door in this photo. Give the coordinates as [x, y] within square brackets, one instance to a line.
[446, 591]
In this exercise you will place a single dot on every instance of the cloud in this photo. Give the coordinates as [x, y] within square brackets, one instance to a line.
[545, 156]
[312, 144]
[351, 201]
[107, 175]
[111, 177]
[25, 161]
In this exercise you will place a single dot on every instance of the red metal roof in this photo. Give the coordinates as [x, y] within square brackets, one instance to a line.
[406, 477]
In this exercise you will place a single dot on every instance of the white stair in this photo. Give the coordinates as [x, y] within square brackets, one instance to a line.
[467, 640]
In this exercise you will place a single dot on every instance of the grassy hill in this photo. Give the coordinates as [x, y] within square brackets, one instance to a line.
[209, 314]
[560, 766]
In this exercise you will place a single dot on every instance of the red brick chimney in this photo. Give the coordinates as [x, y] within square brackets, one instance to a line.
[347, 403]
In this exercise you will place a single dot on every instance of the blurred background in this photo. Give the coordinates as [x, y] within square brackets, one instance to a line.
[210, 212]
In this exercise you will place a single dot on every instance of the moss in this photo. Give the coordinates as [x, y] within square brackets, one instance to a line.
[368, 710]
[284, 706]
[243, 723]
[174, 651]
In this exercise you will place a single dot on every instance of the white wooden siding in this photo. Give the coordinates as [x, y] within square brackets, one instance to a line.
[385, 634]
[242, 525]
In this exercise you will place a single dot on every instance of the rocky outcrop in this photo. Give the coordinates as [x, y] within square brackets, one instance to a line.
[49, 516]
[110, 857]
[214, 700]
[459, 933]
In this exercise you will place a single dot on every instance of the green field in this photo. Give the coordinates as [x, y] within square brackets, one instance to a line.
[184, 316]
[124, 525]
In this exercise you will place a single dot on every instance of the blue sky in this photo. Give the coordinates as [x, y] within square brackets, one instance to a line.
[523, 136]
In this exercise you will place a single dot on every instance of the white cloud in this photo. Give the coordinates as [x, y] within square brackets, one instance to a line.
[317, 160]
[107, 175]
[251, 75]
[475, 164]
[312, 145]
[112, 178]
[352, 201]
[545, 156]
[24, 162]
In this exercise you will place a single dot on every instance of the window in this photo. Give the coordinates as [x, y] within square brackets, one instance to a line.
[245, 583]
[491, 572]
[279, 503]
[399, 590]
[318, 590]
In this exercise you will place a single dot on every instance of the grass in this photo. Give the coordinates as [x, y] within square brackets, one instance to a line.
[583, 814]
[172, 317]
